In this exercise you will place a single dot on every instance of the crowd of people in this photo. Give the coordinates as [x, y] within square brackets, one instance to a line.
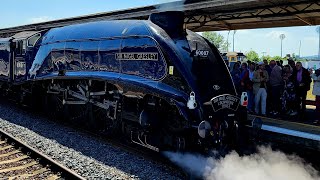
[275, 89]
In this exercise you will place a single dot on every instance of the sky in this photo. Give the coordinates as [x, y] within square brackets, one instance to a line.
[263, 41]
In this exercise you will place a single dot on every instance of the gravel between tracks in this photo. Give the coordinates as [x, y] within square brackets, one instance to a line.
[86, 155]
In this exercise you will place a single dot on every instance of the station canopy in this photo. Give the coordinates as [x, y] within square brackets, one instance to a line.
[210, 15]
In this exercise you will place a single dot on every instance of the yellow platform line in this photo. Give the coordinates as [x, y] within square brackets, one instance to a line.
[10, 153]
[34, 173]
[18, 167]
[14, 160]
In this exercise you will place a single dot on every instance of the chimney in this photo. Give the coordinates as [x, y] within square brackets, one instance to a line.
[170, 21]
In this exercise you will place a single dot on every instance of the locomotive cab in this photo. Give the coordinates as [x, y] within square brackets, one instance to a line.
[16, 55]
[5, 55]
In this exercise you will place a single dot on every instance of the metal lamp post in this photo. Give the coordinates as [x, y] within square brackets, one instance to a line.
[282, 36]
[300, 49]
[318, 31]
[228, 41]
[234, 32]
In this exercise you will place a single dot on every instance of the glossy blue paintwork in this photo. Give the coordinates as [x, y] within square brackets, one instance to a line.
[94, 46]
[91, 47]
[134, 55]
[96, 30]
[123, 79]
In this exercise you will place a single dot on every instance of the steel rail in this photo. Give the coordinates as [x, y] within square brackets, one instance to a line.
[43, 159]
[120, 143]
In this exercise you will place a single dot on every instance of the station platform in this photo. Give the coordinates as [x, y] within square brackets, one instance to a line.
[291, 132]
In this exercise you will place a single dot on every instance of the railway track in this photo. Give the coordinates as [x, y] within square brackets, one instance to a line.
[20, 161]
[142, 152]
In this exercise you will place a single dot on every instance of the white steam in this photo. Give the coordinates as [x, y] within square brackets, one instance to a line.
[264, 165]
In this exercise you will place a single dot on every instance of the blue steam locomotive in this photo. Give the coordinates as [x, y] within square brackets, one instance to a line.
[153, 81]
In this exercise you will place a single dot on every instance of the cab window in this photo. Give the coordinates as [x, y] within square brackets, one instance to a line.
[32, 41]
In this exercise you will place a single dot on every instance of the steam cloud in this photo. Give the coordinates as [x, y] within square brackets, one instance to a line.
[266, 164]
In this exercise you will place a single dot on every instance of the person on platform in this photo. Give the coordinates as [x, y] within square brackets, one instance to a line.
[249, 62]
[302, 83]
[272, 63]
[235, 74]
[249, 87]
[292, 64]
[281, 63]
[276, 85]
[267, 67]
[260, 78]
[288, 98]
[244, 76]
[316, 91]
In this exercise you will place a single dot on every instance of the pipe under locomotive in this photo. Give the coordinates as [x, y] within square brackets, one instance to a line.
[158, 84]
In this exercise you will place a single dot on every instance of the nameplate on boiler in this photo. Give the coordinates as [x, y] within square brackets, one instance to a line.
[137, 56]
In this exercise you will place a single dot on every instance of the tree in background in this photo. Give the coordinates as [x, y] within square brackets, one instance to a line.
[216, 39]
[253, 56]
[277, 58]
[267, 57]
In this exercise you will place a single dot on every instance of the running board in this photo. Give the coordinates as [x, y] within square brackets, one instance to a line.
[144, 144]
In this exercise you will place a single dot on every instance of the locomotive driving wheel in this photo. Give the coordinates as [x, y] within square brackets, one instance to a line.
[53, 105]
[90, 103]
[104, 123]
[77, 114]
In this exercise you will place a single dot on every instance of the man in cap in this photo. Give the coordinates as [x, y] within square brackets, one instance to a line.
[260, 79]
